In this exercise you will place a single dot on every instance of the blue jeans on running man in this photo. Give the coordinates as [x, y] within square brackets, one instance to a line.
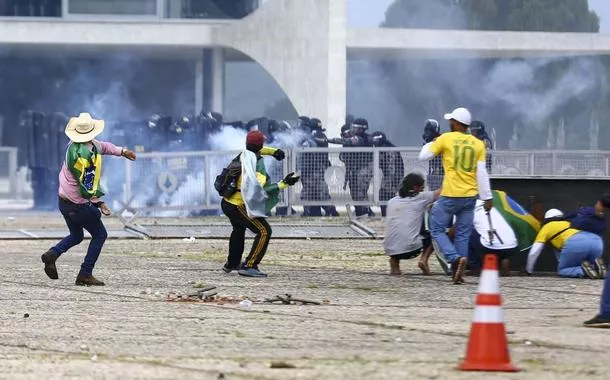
[582, 246]
[78, 217]
[441, 218]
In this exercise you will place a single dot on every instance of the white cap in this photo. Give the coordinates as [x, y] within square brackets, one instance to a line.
[552, 213]
[460, 114]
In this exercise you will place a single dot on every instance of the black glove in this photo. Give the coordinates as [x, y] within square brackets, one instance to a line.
[279, 155]
[290, 179]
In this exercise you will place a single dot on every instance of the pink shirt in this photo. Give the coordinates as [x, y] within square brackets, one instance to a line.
[68, 185]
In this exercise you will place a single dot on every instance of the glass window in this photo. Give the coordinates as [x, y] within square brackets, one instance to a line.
[210, 9]
[30, 8]
[113, 7]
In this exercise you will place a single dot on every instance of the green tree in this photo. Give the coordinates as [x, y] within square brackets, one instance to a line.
[515, 15]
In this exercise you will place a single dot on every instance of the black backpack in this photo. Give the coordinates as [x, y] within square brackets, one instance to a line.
[226, 182]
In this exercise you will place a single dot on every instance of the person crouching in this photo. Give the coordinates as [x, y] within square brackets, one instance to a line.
[80, 193]
[247, 208]
[405, 216]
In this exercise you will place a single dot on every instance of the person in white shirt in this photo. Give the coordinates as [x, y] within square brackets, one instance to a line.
[491, 233]
[405, 215]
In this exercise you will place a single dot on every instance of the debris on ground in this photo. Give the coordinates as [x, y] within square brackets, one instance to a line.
[280, 365]
[288, 299]
[207, 294]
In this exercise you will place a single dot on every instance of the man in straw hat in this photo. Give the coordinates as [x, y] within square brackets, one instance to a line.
[80, 193]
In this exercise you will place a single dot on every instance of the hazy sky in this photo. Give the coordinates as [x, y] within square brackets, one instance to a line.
[370, 13]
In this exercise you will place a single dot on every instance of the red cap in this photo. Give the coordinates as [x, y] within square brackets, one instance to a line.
[255, 138]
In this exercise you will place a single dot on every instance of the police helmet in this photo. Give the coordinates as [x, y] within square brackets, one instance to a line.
[477, 129]
[316, 124]
[359, 125]
[153, 122]
[379, 138]
[432, 130]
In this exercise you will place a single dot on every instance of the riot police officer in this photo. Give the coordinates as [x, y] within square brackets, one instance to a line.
[358, 165]
[312, 166]
[477, 129]
[392, 167]
[432, 130]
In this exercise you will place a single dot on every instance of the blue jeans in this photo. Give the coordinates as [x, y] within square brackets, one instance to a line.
[441, 217]
[77, 217]
[583, 246]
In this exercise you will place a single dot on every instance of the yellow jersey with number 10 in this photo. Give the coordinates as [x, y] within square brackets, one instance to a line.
[461, 152]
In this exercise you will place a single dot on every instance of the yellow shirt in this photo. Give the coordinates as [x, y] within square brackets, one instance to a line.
[461, 152]
[551, 229]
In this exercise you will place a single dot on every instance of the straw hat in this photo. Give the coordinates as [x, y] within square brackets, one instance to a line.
[83, 128]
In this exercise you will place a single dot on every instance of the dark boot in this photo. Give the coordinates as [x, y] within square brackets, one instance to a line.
[83, 280]
[49, 258]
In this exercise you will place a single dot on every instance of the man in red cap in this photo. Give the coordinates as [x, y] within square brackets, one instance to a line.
[247, 207]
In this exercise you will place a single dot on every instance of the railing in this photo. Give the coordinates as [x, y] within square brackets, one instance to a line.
[172, 184]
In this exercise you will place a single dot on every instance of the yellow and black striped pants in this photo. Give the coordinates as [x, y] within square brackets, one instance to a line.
[240, 221]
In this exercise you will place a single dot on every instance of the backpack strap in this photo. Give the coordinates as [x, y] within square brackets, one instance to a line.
[558, 233]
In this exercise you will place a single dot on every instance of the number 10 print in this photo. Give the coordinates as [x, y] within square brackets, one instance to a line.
[463, 158]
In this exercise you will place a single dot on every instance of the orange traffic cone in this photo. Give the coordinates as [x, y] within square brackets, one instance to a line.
[487, 346]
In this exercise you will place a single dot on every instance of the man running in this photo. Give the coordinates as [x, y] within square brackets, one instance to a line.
[465, 176]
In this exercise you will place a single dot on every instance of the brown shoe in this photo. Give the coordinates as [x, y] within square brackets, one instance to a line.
[505, 268]
[49, 258]
[88, 281]
[458, 267]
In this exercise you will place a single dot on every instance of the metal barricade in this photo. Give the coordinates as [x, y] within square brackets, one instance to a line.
[8, 173]
[180, 183]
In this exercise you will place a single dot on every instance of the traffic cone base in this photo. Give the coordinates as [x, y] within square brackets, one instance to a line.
[485, 354]
[487, 345]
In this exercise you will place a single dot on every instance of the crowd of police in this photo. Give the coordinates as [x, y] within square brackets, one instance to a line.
[44, 145]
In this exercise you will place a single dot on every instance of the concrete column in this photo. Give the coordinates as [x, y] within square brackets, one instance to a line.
[212, 79]
[218, 80]
[199, 98]
[302, 44]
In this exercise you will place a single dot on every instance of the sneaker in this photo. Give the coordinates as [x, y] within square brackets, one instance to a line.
[88, 281]
[598, 321]
[251, 272]
[588, 270]
[458, 267]
[227, 269]
[601, 268]
[49, 258]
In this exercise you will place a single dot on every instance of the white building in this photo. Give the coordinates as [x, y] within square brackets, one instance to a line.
[303, 44]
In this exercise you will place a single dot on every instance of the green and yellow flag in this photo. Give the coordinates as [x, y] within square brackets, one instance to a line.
[86, 166]
[524, 225]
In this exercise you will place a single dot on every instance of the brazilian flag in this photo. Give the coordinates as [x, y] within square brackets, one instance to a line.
[524, 225]
[86, 167]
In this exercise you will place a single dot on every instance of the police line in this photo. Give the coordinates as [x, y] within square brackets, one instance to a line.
[179, 183]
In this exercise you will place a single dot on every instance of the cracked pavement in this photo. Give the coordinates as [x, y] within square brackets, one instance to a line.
[373, 327]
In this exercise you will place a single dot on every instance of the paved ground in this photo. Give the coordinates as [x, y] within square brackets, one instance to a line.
[373, 326]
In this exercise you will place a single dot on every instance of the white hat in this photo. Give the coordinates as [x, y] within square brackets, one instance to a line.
[460, 114]
[552, 213]
[83, 128]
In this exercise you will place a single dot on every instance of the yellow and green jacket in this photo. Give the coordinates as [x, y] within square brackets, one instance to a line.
[272, 189]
